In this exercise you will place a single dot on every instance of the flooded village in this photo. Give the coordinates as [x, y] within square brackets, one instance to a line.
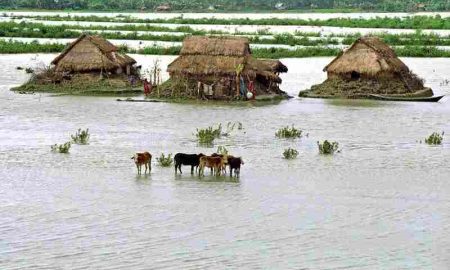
[197, 141]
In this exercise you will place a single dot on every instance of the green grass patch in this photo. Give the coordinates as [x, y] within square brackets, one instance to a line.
[328, 148]
[290, 153]
[289, 132]
[165, 161]
[411, 22]
[435, 138]
[61, 148]
[207, 135]
[81, 136]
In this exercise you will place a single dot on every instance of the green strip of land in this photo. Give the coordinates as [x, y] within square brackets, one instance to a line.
[17, 47]
[412, 22]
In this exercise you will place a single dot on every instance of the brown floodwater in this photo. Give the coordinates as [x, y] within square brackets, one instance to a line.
[382, 203]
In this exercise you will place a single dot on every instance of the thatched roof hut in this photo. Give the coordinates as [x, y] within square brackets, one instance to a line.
[210, 59]
[368, 67]
[92, 54]
[369, 57]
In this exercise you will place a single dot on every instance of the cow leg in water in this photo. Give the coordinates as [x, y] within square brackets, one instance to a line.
[231, 172]
[137, 167]
[192, 169]
[179, 168]
[150, 166]
[176, 166]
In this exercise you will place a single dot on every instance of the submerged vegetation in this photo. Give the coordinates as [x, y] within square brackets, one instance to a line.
[233, 5]
[411, 22]
[208, 135]
[290, 153]
[61, 148]
[435, 138]
[289, 132]
[81, 137]
[18, 47]
[165, 161]
[328, 148]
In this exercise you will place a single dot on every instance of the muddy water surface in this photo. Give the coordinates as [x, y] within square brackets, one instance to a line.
[380, 204]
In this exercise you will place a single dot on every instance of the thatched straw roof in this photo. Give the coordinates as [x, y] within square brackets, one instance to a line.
[368, 56]
[220, 56]
[89, 53]
[224, 46]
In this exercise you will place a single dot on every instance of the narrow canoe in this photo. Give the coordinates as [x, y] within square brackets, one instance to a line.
[412, 99]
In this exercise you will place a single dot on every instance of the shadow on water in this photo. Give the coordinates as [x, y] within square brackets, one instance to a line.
[366, 103]
[207, 178]
[143, 179]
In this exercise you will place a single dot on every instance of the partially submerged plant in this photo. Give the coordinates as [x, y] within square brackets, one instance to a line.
[221, 150]
[290, 153]
[328, 148]
[61, 148]
[435, 138]
[209, 134]
[231, 126]
[165, 161]
[81, 137]
[289, 132]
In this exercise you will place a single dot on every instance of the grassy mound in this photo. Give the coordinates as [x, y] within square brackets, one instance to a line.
[81, 84]
[362, 88]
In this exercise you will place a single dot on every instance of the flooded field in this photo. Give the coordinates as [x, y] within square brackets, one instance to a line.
[276, 29]
[259, 15]
[380, 204]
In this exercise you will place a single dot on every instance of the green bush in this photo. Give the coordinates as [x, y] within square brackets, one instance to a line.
[209, 134]
[81, 137]
[289, 132]
[290, 153]
[165, 161]
[61, 148]
[435, 138]
[328, 148]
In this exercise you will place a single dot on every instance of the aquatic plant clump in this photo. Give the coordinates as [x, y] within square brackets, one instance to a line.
[61, 148]
[289, 132]
[290, 153]
[165, 161]
[221, 150]
[435, 138]
[209, 134]
[328, 148]
[81, 137]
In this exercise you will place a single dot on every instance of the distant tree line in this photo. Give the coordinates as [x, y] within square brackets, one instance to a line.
[228, 5]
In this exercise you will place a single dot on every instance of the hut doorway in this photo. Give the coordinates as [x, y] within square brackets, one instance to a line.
[355, 75]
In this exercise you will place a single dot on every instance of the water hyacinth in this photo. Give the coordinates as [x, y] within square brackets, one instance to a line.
[435, 138]
[61, 148]
[289, 132]
[290, 153]
[165, 161]
[81, 137]
[328, 148]
[209, 134]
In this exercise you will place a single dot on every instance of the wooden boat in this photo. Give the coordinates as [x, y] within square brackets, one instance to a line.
[410, 99]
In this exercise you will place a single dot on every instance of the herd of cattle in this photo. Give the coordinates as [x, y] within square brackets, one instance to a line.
[216, 162]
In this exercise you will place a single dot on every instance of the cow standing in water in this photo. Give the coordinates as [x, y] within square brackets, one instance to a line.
[187, 159]
[235, 164]
[143, 159]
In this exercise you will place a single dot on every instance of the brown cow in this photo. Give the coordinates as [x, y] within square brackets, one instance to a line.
[143, 159]
[215, 163]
